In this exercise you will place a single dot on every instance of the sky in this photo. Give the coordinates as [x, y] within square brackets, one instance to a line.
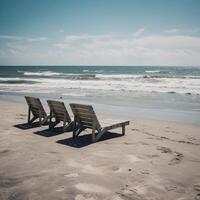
[100, 32]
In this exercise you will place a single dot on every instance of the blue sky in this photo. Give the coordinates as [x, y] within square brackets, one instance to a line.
[94, 32]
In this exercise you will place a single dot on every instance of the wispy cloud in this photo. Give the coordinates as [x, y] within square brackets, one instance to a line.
[139, 32]
[153, 49]
[73, 38]
[38, 39]
[175, 30]
[111, 49]
[11, 37]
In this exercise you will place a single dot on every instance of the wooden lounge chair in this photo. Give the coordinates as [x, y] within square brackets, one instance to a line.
[85, 117]
[59, 112]
[35, 107]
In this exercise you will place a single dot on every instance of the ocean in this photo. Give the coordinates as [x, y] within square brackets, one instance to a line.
[162, 93]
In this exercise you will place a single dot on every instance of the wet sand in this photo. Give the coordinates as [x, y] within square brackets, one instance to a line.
[154, 160]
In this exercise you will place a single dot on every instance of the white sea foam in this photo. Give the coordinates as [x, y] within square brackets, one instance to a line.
[121, 83]
[42, 73]
[85, 70]
[152, 71]
[118, 76]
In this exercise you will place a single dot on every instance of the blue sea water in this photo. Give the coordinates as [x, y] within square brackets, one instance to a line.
[164, 93]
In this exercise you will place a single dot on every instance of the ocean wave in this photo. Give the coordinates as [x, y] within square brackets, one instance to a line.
[98, 74]
[17, 81]
[42, 73]
[170, 77]
[118, 76]
[95, 83]
[152, 71]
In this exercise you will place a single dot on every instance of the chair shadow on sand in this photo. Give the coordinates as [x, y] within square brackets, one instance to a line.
[85, 140]
[50, 132]
[25, 126]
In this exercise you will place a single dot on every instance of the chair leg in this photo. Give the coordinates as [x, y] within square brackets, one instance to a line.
[69, 127]
[99, 134]
[32, 120]
[40, 118]
[77, 132]
[50, 118]
[29, 115]
[93, 132]
[45, 121]
[64, 125]
[53, 124]
[75, 127]
[123, 129]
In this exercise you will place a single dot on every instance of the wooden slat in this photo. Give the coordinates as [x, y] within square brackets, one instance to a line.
[81, 106]
[85, 114]
[57, 106]
[35, 106]
[59, 110]
[86, 119]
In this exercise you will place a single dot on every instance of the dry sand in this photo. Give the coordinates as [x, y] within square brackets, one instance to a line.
[154, 160]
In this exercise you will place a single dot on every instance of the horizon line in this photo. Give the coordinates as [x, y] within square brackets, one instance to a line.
[97, 65]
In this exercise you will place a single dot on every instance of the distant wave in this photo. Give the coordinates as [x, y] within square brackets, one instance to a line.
[93, 83]
[42, 73]
[152, 71]
[170, 77]
[98, 74]
[118, 76]
[21, 81]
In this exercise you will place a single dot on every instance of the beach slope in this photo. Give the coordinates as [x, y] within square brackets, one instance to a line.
[154, 160]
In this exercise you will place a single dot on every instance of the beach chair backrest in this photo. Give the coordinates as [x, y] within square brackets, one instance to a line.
[85, 115]
[35, 106]
[59, 110]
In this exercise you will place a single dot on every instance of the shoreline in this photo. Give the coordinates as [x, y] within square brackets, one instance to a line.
[119, 111]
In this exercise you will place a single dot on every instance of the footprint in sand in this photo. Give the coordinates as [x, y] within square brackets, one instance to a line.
[82, 197]
[60, 189]
[197, 197]
[115, 169]
[127, 193]
[164, 149]
[177, 159]
[91, 188]
[145, 172]
[197, 187]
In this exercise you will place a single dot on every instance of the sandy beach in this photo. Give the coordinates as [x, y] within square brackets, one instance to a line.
[154, 160]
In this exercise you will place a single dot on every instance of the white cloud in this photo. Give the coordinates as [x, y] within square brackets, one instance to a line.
[74, 38]
[146, 50]
[35, 39]
[139, 32]
[11, 37]
[110, 49]
[172, 30]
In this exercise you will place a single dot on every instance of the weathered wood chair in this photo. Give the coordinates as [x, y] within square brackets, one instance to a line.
[60, 113]
[85, 117]
[35, 107]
